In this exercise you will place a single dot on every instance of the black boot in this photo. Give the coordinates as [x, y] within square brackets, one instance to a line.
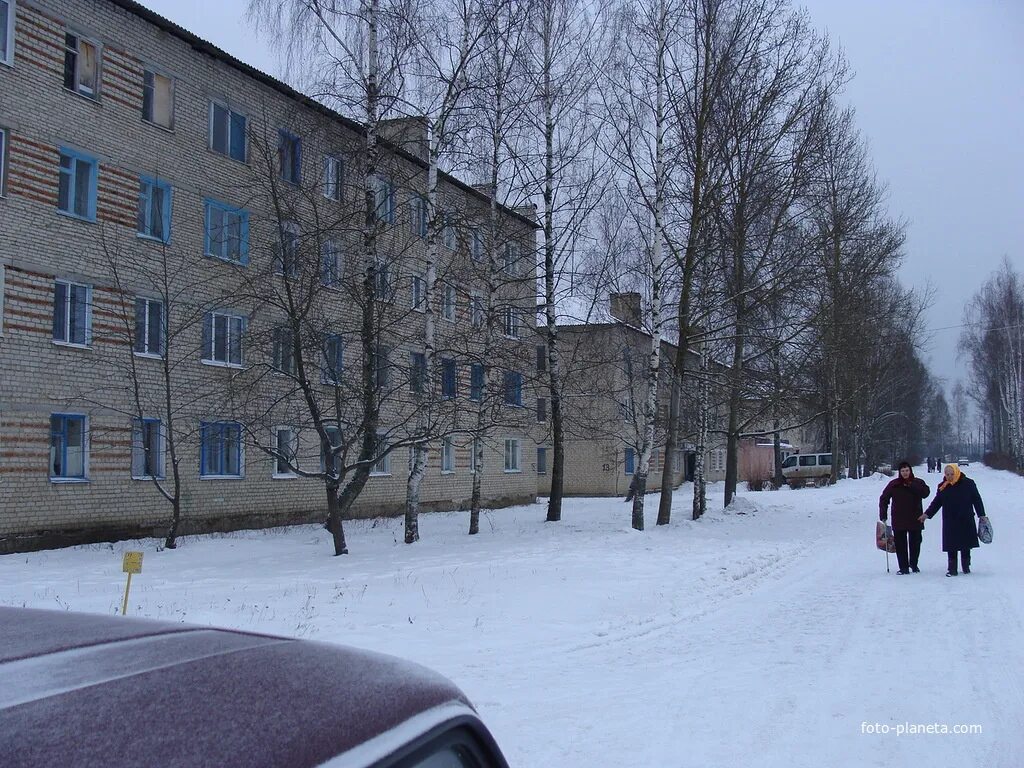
[951, 564]
[965, 560]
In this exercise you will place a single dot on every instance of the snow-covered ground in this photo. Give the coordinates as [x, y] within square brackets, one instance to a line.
[770, 635]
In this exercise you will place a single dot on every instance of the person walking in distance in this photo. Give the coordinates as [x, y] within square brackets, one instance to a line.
[958, 498]
[906, 494]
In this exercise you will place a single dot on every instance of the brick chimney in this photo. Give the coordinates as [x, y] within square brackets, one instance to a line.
[409, 133]
[625, 307]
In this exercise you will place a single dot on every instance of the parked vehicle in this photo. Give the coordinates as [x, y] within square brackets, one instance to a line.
[807, 467]
[101, 691]
[963, 461]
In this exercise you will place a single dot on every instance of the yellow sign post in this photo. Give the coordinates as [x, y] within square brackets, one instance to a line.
[132, 563]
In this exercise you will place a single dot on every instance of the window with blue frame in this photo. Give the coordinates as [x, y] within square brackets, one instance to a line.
[76, 188]
[147, 449]
[227, 232]
[333, 363]
[630, 460]
[220, 449]
[289, 156]
[72, 313]
[476, 382]
[68, 446]
[150, 328]
[513, 388]
[227, 132]
[154, 219]
[417, 372]
[449, 379]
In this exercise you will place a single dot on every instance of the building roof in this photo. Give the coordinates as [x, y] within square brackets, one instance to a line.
[205, 46]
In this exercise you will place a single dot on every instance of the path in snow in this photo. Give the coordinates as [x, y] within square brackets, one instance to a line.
[764, 638]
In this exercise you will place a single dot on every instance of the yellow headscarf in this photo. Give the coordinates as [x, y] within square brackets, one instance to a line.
[957, 474]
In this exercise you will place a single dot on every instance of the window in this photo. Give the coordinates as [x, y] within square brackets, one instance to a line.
[3, 152]
[330, 264]
[512, 322]
[447, 455]
[512, 455]
[289, 156]
[81, 65]
[333, 355]
[220, 449]
[7, 31]
[383, 367]
[76, 190]
[328, 453]
[227, 232]
[476, 245]
[158, 99]
[417, 372]
[511, 258]
[227, 132]
[284, 351]
[383, 464]
[68, 446]
[419, 293]
[72, 313]
[385, 200]
[630, 460]
[542, 461]
[449, 379]
[154, 219]
[542, 358]
[476, 310]
[147, 449]
[448, 300]
[448, 234]
[286, 250]
[150, 330]
[513, 388]
[542, 409]
[382, 281]
[808, 461]
[418, 217]
[473, 450]
[476, 382]
[824, 459]
[333, 177]
[286, 451]
[222, 339]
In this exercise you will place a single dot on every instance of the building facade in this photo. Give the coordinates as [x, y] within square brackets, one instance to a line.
[161, 203]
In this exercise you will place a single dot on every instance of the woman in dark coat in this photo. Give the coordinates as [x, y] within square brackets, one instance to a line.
[906, 493]
[959, 499]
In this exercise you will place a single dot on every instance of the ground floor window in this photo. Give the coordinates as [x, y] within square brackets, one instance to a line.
[147, 449]
[542, 461]
[630, 460]
[512, 455]
[68, 446]
[286, 450]
[220, 449]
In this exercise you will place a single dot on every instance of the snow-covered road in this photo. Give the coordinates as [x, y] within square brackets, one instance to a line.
[767, 636]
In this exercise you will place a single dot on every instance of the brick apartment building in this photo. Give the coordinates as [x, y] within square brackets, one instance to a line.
[133, 152]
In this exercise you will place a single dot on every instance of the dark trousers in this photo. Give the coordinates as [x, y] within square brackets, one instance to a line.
[908, 548]
[965, 560]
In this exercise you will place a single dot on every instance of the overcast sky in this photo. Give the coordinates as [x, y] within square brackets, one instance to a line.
[939, 93]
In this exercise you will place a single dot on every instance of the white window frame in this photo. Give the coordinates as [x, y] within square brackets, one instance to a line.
[208, 354]
[449, 236]
[449, 302]
[155, 73]
[76, 87]
[474, 444]
[286, 251]
[139, 445]
[145, 351]
[418, 293]
[513, 455]
[331, 278]
[447, 456]
[418, 212]
[67, 313]
[382, 467]
[8, 33]
[283, 351]
[333, 177]
[512, 322]
[287, 474]
[511, 265]
[476, 309]
[476, 245]
[327, 375]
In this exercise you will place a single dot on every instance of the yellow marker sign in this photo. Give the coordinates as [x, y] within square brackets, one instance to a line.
[132, 563]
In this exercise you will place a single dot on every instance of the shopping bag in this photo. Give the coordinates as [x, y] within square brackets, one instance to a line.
[985, 530]
[884, 539]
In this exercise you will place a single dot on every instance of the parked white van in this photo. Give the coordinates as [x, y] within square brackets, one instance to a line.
[808, 467]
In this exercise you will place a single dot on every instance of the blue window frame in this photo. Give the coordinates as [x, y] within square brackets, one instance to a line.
[476, 382]
[289, 156]
[76, 189]
[334, 348]
[227, 132]
[630, 460]
[227, 232]
[68, 446]
[220, 449]
[513, 388]
[154, 219]
[449, 379]
[72, 313]
[417, 372]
